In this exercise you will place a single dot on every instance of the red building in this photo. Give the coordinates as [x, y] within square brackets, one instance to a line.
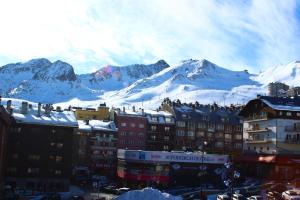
[132, 129]
[4, 124]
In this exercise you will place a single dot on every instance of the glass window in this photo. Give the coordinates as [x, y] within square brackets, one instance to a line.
[141, 125]
[167, 129]
[123, 124]
[153, 128]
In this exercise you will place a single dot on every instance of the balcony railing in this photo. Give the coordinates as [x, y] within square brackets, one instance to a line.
[256, 118]
[260, 140]
[292, 129]
[292, 141]
[256, 130]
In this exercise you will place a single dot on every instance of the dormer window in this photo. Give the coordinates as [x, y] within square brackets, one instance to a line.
[288, 114]
[154, 119]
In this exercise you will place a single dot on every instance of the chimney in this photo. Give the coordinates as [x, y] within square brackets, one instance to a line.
[118, 111]
[133, 108]
[123, 109]
[8, 105]
[39, 109]
[143, 113]
[87, 122]
[58, 109]
[47, 109]
[30, 106]
[24, 108]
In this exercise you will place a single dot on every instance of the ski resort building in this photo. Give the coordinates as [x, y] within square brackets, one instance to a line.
[40, 147]
[96, 146]
[272, 137]
[209, 128]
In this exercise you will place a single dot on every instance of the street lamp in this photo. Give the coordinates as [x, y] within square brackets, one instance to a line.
[233, 176]
[202, 166]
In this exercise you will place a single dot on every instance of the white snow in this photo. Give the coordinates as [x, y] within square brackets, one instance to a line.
[144, 86]
[64, 118]
[147, 194]
[97, 125]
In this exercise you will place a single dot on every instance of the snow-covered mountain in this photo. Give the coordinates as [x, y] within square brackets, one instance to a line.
[288, 74]
[41, 80]
[115, 78]
[143, 85]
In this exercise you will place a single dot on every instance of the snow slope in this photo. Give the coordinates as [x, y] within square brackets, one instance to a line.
[147, 194]
[140, 85]
[288, 74]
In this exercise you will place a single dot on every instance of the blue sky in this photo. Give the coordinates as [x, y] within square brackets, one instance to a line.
[89, 34]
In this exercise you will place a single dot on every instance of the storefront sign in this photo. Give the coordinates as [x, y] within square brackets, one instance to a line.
[161, 156]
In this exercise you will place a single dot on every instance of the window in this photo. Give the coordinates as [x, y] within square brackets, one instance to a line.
[132, 125]
[166, 138]
[60, 145]
[53, 131]
[168, 119]
[166, 147]
[141, 125]
[51, 157]
[153, 128]
[33, 170]
[298, 114]
[180, 132]
[167, 129]
[280, 113]
[181, 124]
[201, 125]
[57, 172]
[141, 134]
[227, 136]
[34, 157]
[15, 156]
[154, 119]
[52, 144]
[11, 169]
[191, 134]
[200, 134]
[288, 114]
[153, 137]
[58, 158]
[238, 145]
[220, 127]
[123, 124]
[238, 136]
[219, 144]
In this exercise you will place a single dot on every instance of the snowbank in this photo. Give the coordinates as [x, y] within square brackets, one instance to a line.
[147, 194]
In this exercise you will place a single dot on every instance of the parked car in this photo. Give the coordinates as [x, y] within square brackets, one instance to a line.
[256, 197]
[123, 190]
[291, 195]
[238, 197]
[222, 197]
[112, 189]
[275, 192]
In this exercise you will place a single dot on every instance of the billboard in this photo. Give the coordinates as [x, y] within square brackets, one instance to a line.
[163, 156]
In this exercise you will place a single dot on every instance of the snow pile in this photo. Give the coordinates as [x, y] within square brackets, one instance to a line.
[147, 194]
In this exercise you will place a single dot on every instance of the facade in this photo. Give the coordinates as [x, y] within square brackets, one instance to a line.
[277, 89]
[101, 113]
[132, 129]
[207, 128]
[272, 127]
[143, 168]
[39, 147]
[294, 91]
[97, 146]
[160, 131]
[4, 127]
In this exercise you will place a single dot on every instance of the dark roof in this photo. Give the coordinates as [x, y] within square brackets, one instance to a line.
[214, 116]
[283, 101]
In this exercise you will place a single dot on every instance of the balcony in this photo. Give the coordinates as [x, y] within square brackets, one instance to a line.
[292, 141]
[259, 140]
[292, 129]
[256, 130]
[255, 118]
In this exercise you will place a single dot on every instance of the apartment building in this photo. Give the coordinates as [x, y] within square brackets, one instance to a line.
[39, 147]
[272, 135]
